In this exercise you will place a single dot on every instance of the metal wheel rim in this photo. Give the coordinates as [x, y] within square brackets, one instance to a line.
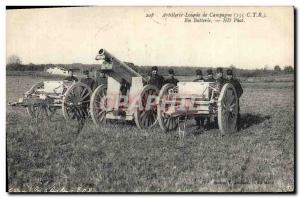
[76, 102]
[166, 123]
[97, 99]
[146, 119]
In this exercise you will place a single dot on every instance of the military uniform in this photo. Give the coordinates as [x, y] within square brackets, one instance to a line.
[89, 82]
[101, 81]
[71, 78]
[220, 81]
[171, 79]
[237, 85]
[125, 86]
[199, 119]
[209, 79]
[199, 77]
[238, 88]
[156, 79]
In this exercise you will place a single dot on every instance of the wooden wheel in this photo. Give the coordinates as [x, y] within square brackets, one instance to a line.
[98, 105]
[39, 111]
[146, 117]
[227, 109]
[76, 101]
[166, 122]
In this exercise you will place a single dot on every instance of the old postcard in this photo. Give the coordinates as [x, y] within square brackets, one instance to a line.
[150, 99]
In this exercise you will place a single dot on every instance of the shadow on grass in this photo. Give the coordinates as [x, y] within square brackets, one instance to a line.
[247, 120]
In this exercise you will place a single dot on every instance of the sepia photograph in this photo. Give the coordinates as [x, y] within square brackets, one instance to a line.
[150, 99]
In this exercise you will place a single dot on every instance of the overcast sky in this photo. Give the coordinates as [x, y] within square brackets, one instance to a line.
[74, 35]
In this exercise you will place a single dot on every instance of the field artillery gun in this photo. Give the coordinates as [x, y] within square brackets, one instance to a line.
[125, 97]
[44, 98]
[187, 100]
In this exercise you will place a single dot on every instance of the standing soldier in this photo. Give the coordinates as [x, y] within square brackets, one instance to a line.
[199, 119]
[171, 78]
[209, 77]
[199, 76]
[101, 78]
[125, 86]
[238, 87]
[91, 83]
[71, 76]
[156, 79]
[87, 80]
[220, 80]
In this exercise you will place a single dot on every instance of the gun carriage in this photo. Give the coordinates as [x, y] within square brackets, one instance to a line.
[125, 97]
[197, 99]
[44, 98]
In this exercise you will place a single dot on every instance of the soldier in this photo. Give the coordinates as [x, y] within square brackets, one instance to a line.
[156, 79]
[87, 80]
[209, 77]
[125, 86]
[71, 77]
[220, 80]
[199, 76]
[101, 79]
[238, 87]
[235, 82]
[171, 78]
[199, 119]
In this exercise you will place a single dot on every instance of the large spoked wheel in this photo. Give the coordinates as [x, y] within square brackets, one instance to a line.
[76, 101]
[227, 109]
[166, 122]
[40, 111]
[145, 116]
[98, 105]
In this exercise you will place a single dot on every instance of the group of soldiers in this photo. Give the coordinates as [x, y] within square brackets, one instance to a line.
[158, 81]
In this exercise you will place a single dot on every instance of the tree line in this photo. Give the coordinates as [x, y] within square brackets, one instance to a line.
[15, 64]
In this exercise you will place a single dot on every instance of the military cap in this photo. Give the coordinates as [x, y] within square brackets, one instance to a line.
[86, 72]
[209, 71]
[219, 70]
[154, 68]
[198, 72]
[171, 71]
[229, 72]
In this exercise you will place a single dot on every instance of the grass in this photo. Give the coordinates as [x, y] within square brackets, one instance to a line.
[58, 156]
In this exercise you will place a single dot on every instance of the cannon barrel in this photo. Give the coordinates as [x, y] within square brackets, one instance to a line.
[116, 68]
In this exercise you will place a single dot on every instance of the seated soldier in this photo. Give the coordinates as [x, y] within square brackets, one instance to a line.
[171, 78]
[71, 77]
[199, 76]
[156, 79]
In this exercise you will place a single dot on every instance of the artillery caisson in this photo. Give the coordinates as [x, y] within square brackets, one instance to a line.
[125, 97]
[193, 99]
[44, 98]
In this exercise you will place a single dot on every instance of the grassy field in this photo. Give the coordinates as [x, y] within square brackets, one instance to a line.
[59, 156]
